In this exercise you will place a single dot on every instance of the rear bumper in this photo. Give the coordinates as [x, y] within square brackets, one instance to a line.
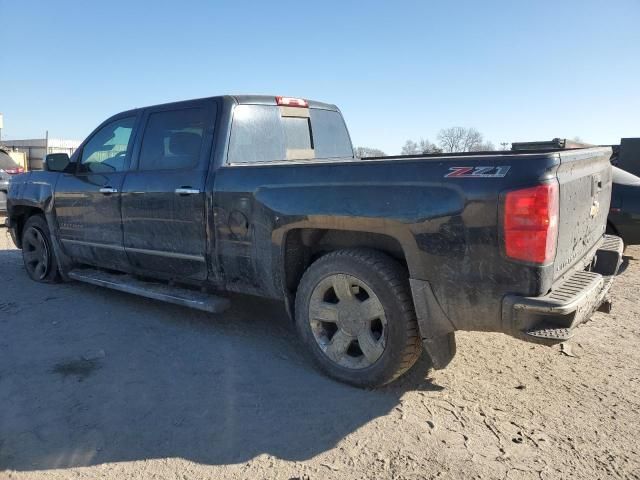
[553, 318]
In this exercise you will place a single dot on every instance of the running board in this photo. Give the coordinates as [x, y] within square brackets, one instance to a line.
[156, 290]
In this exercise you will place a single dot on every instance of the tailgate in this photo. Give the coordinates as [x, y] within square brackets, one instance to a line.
[584, 176]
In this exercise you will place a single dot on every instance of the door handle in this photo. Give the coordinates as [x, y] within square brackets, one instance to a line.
[187, 191]
[107, 190]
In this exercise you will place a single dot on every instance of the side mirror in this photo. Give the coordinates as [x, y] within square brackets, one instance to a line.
[56, 162]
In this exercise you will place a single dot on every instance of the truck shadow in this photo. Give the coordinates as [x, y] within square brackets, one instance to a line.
[625, 263]
[92, 376]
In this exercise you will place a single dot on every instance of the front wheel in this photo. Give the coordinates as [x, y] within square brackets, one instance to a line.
[355, 314]
[37, 252]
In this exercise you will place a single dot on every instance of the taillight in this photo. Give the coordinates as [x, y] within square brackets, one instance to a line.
[291, 102]
[14, 171]
[531, 223]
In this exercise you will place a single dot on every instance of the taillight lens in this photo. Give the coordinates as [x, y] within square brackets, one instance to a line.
[14, 171]
[531, 223]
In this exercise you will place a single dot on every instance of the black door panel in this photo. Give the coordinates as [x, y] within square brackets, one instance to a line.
[164, 230]
[87, 203]
[163, 200]
[89, 221]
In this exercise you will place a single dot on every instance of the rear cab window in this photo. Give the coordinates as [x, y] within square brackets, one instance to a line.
[273, 133]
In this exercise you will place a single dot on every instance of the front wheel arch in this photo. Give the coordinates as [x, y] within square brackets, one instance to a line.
[19, 217]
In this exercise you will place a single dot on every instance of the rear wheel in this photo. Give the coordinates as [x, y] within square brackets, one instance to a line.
[355, 314]
[37, 252]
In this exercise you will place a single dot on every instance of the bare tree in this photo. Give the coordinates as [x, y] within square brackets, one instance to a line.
[420, 147]
[425, 146]
[483, 147]
[460, 139]
[365, 152]
[472, 141]
[451, 139]
[504, 145]
[410, 148]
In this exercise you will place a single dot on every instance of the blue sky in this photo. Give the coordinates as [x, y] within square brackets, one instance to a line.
[514, 70]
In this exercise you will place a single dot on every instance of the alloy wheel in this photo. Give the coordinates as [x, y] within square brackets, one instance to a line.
[348, 321]
[36, 253]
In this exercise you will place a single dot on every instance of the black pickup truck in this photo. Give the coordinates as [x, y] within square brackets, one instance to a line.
[374, 259]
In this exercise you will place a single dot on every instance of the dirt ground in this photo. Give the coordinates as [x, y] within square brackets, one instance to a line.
[101, 384]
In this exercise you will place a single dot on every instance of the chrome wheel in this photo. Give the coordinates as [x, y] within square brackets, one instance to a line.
[35, 250]
[348, 321]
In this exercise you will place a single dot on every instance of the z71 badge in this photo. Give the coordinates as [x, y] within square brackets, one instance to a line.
[478, 172]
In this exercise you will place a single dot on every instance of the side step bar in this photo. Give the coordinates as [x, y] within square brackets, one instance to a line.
[158, 291]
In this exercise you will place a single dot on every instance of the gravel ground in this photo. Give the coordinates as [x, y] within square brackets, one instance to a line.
[101, 384]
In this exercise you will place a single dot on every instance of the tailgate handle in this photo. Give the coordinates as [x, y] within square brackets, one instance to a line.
[596, 185]
[108, 190]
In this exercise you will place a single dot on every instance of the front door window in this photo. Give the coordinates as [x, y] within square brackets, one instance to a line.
[107, 150]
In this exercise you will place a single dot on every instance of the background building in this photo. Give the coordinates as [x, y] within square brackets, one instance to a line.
[36, 149]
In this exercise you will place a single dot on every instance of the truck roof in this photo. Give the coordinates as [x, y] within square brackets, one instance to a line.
[245, 99]
[271, 100]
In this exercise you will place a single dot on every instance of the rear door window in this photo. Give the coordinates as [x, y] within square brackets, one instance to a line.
[172, 140]
[268, 133]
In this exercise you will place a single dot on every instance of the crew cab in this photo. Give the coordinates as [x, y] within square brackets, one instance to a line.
[375, 259]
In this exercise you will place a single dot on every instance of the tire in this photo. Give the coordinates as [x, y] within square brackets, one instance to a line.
[37, 251]
[352, 298]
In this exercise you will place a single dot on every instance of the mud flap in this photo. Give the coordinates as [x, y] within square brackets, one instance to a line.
[64, 263]
[436, 330]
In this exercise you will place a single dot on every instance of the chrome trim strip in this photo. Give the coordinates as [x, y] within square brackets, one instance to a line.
[119, 248]
[161, 253]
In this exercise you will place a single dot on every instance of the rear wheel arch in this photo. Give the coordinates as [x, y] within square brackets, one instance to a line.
[302, 246]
